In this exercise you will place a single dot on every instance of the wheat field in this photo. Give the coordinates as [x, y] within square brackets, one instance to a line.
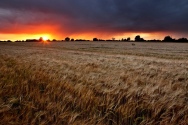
[94, 83]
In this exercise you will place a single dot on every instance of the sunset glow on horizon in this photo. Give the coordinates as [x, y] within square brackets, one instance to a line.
[15, 37]
[90, 36]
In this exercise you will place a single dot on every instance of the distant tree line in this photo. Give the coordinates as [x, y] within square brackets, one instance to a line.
[138, 38]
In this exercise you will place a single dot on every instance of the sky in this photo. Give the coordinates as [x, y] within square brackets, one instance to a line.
[86, 19]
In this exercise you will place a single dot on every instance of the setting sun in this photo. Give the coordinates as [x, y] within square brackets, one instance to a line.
[45, 38]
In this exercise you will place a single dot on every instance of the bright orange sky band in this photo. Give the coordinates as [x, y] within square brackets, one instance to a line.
[51, 33]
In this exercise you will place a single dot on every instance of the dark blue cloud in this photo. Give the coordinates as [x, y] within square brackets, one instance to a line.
[100, 15]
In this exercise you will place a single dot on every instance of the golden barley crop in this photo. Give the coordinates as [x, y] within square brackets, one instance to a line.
[93, 83]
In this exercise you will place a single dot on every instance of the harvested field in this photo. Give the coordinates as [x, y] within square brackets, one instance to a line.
[94, 83]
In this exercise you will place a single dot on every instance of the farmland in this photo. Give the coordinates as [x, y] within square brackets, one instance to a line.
[94, 83]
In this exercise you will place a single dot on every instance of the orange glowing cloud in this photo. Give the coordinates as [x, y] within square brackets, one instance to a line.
[21, 19]
[29, 32]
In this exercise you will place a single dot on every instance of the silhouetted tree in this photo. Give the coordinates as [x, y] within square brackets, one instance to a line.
[80, 40]
[54, 40]
[154, 40]
[101, 40]
[17, 41]
[128, 39]
[67, 39]
[33, 40]
[41, 39]
[182, 40]
[168, 39]
[72, 39]
[48, 40]
[142, 39]
[9, 41]
[95, 39]
[138, 38]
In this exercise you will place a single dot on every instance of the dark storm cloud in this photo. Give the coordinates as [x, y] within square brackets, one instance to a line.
[98, 15]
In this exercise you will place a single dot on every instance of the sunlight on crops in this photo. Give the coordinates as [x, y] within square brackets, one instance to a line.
[90, 83]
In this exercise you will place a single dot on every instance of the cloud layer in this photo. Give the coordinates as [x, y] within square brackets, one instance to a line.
[92, 16]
